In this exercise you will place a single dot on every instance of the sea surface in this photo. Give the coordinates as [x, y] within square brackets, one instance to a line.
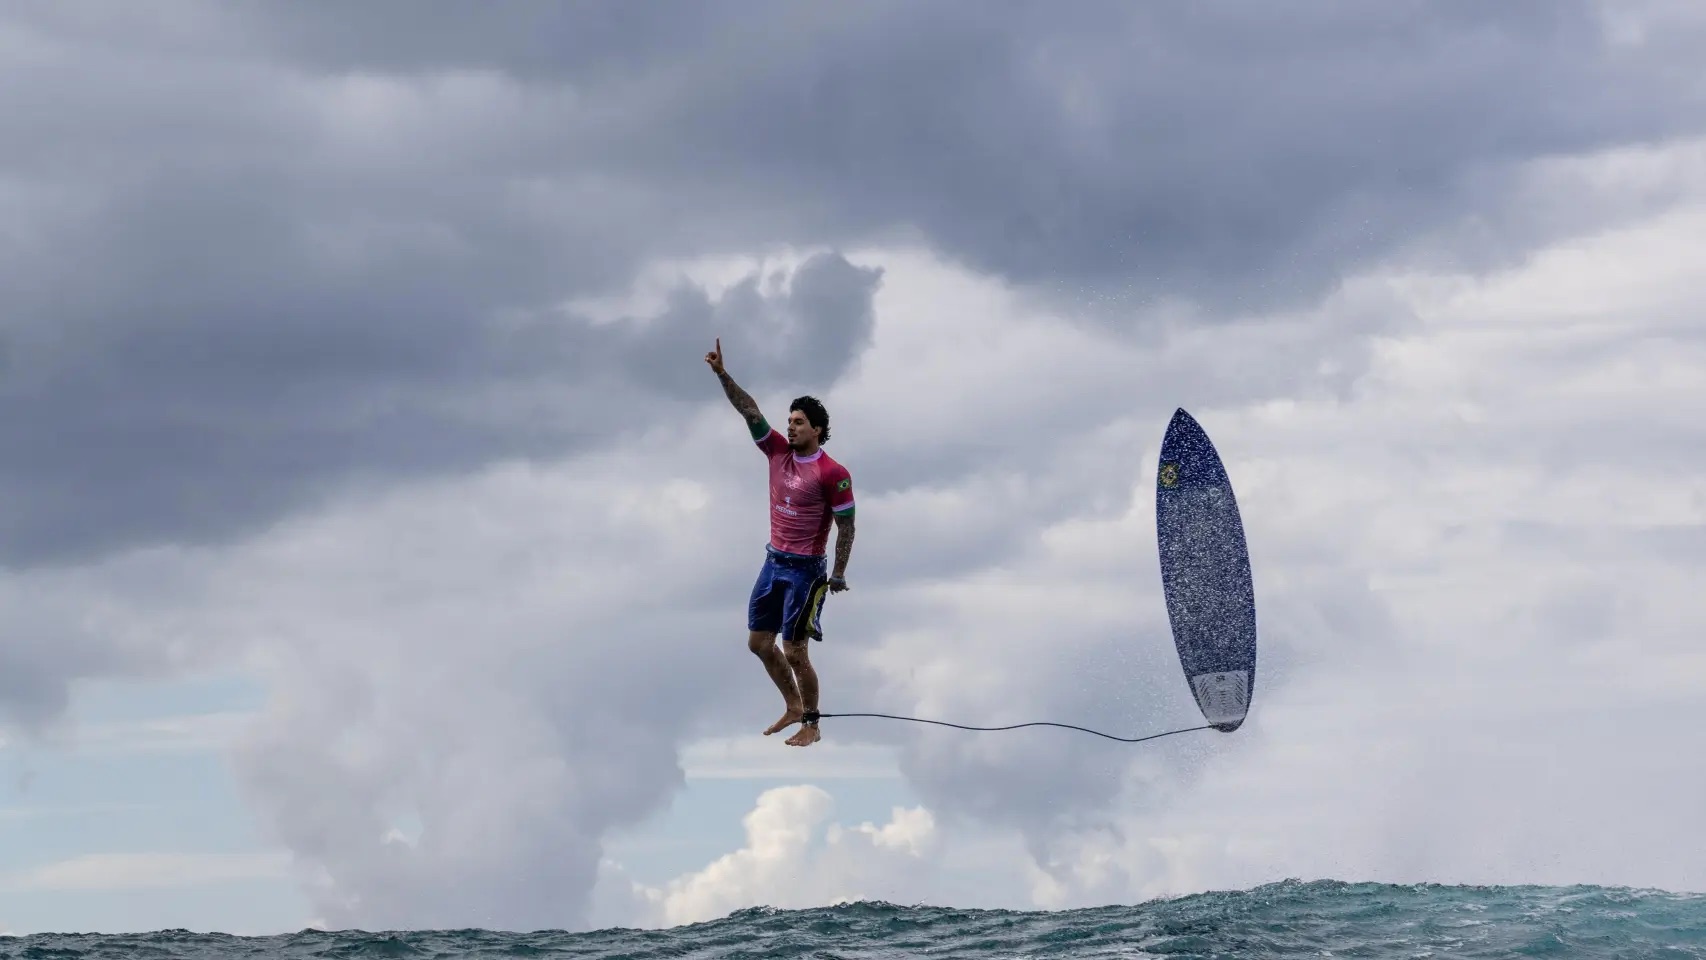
[1291, 919]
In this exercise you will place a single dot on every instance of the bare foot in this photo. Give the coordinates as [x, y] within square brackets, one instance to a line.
[807, 736]
[789, 718]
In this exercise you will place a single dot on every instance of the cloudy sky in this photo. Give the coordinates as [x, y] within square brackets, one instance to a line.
[376, 542]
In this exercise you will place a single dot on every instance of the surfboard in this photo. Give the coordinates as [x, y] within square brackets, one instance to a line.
[1205, 573]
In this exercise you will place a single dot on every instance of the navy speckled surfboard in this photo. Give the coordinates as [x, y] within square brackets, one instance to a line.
[1205, 574]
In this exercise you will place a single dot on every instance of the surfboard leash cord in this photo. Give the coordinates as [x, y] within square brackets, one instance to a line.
[813, 717]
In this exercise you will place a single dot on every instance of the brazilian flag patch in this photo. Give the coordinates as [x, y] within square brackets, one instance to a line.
[844, 484]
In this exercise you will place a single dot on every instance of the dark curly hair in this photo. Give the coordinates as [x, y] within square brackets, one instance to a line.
[816, 415]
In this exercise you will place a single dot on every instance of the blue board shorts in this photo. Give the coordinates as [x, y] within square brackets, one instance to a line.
[787, 597]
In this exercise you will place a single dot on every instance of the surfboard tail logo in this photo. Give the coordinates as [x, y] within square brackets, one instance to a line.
[1224, 697]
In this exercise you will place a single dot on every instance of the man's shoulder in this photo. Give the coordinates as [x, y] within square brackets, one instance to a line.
[837, 484]
[834, 474]
[771, 442]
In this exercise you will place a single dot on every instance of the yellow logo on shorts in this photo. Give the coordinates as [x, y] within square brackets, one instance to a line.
[1169, 474]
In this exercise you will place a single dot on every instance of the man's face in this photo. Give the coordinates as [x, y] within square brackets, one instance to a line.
[800, 430]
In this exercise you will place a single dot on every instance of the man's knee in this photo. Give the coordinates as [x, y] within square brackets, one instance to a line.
[761, 641]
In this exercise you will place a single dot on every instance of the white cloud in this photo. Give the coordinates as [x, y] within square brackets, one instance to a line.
[795, 856]
[141, 871]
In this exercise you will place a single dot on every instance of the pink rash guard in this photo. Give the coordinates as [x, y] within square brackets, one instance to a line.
[805, 492]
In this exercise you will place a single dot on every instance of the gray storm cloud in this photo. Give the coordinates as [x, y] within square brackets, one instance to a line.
[318, 219]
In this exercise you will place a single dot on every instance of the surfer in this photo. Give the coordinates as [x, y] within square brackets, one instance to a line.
[807, 490]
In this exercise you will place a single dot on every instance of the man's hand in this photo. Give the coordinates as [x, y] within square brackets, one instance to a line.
[740, 398]
[837, 584]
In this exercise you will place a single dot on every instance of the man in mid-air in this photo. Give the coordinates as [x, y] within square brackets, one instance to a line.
[807, 489]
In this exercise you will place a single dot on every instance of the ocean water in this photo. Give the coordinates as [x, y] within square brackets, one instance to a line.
[1291, 919]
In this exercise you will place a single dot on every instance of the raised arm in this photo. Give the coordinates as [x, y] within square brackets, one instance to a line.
[743, 402]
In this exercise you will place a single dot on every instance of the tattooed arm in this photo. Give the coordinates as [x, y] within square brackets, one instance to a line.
[747, 406]
[743, 402]
[839, 488]
[843, 547]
